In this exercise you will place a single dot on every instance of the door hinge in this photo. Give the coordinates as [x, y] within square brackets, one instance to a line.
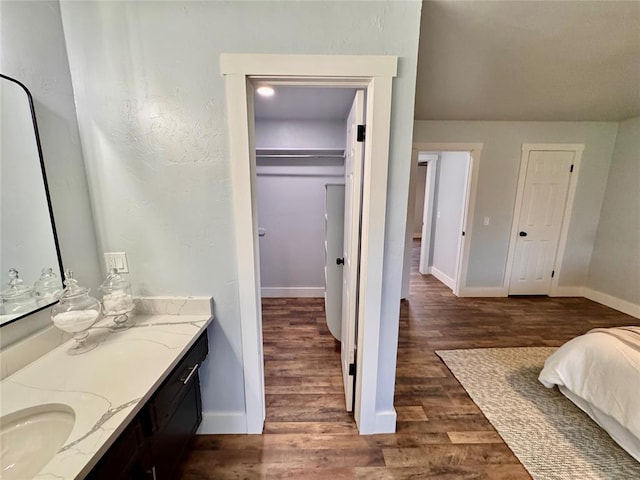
[352, 369]
[553, 273]
[571, 169]
[361, 133]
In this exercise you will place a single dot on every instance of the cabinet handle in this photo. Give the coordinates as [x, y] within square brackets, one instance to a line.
[153, 472]
[188, 377]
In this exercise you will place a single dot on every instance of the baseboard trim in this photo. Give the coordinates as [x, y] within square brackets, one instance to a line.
[385, 421]
[292, 292]
[567, 292]
[219, 423]
[613, 302]
[483, 292]
[443, 277]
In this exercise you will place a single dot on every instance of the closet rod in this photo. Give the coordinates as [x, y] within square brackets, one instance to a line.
[291, 155]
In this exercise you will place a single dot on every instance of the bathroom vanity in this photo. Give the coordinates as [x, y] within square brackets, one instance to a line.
[132, 404]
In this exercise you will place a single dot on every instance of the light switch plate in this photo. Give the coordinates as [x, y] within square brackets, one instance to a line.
[116, 260]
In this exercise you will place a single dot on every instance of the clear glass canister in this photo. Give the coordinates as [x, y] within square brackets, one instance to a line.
[18, 298]
[75, 313]
[47, 287]
[117, 299]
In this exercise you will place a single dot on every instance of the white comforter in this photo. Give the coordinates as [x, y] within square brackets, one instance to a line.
[602, 368]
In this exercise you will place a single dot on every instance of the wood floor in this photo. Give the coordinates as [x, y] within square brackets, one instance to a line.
[441, 434]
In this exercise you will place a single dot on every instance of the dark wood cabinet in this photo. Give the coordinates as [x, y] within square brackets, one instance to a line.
[153, 444]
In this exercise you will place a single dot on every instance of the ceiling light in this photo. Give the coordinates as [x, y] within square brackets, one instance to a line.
[265, 91]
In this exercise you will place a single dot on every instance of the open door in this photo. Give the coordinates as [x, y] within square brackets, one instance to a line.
[351, 247]
[427, 212]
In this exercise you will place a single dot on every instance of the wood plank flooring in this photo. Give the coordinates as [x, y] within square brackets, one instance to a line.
[441, 433]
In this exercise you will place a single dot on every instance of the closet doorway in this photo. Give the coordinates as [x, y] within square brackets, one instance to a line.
[373, 74]
[309, 163]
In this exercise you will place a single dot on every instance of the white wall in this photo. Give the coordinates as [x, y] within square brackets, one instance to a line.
[291, 204]
[150, 101]
[497, 183]
[448, 202]
[301, 134]
[33, 51]
[615, 264]
[291, 207]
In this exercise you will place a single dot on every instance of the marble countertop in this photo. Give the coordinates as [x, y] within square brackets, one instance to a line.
[107, 386]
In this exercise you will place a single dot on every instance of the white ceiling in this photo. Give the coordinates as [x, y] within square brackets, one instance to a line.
[304, 103]
[529, 60]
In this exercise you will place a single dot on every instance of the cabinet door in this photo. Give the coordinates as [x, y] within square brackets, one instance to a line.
[123, 459]
[169, 395]
[169, 444]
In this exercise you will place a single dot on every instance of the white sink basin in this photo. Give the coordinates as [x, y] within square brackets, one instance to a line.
[30, 438]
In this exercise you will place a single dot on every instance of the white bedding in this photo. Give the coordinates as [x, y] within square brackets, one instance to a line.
[600, 372]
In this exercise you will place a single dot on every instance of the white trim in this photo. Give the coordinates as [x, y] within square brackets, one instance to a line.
[483, 292]
[567, 292]
[613, 302]
[372, 251]
[427, 215]
[220, 423]
[375, 74]
[324, 66]
[527, 148]
[553, 147]
[243, 166]
[475, 152]
[463, 225]
[386, 421]
[443, 277]
[566, 217]
[292, 292]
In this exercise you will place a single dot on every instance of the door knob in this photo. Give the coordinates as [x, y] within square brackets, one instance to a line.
[523, 234]
[339, 261]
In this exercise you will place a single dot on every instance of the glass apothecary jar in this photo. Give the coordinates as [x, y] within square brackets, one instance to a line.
[18, 299]
[75, 313]
[47, 287]
[117, 300]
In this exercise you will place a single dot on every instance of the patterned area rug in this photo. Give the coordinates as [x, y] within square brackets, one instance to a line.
[552, 437]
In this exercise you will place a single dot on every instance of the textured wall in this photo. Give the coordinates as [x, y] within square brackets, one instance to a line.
[498, 181]
[150, 101]
[615, 264]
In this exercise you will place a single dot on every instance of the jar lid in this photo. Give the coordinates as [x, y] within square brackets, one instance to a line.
[17, 287]
[47, 279]
[114, 281]
[71, 288]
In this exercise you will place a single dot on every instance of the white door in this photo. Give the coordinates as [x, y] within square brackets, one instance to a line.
[539, 221]
[351, 246]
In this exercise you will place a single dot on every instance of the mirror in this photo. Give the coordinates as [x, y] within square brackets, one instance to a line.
[28, 242]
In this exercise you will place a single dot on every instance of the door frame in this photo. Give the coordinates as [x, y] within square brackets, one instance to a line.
[527, 148]
[427, 214]
[475, 152]
[375, 74]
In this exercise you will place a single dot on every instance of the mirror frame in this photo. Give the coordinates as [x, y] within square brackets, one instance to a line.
[46, 193]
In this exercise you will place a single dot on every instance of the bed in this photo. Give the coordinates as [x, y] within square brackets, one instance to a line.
[600, 373]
